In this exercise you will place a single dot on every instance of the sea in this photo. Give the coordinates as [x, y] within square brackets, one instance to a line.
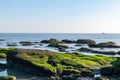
[9, 38]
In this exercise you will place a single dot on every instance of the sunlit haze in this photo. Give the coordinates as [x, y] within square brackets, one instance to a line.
[59, 16]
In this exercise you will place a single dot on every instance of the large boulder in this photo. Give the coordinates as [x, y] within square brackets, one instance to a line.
[105, 45]
[85, 41]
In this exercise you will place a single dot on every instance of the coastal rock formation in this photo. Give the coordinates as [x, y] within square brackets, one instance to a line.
[105, 45]
[85, 41]
[99, 52]
[47, 63]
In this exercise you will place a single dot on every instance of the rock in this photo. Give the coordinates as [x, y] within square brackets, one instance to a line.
[26, 43]
[45, 41]
[85, 41]
[12, 44]
[86, 73]
[118, 52]
[68, 41]
[107, 71]
[3, 65]
[3, 55]
[95, 51]
[105, 45]
[78, 45]
[2, 39]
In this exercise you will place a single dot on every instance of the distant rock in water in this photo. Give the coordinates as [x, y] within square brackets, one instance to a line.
[26, 43]
[12, 44]
[85, 41]
[99, 52]
[49, 41]
[68, 41]
[105, 45]
[2, 40]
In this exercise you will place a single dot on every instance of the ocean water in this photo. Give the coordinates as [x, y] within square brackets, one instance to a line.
[37, 37]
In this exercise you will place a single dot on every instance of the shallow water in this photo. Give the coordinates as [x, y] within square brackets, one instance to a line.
[20, 75]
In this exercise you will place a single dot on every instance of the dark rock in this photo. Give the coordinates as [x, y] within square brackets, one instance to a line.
[86, 73]
[95, 51]
[108, 71]
[85, 41]
[2, 40]
[3, 65]
[67, 77]
[26, 43]
[68, 41]
[118, 52]
[45, 41]
[105, 45]
[12, 44]
[78, 45]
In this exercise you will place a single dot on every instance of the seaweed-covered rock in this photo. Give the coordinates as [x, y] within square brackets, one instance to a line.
[68, 41]
[85, 41]
[95, 51]
[105, 45]
[3, 55]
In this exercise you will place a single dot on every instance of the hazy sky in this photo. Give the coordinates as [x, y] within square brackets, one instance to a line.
[60, 16]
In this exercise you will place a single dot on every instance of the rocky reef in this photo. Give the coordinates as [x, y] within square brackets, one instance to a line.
[47, 63]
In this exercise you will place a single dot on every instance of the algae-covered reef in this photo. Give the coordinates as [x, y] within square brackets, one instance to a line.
[42, 62]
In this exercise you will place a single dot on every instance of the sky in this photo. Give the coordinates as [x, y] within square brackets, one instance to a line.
[59, 16]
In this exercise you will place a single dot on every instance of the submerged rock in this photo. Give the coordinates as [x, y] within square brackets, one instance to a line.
[85, 41]
[26, 43]
[12, 44]
[105, 45]
[2, 40]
